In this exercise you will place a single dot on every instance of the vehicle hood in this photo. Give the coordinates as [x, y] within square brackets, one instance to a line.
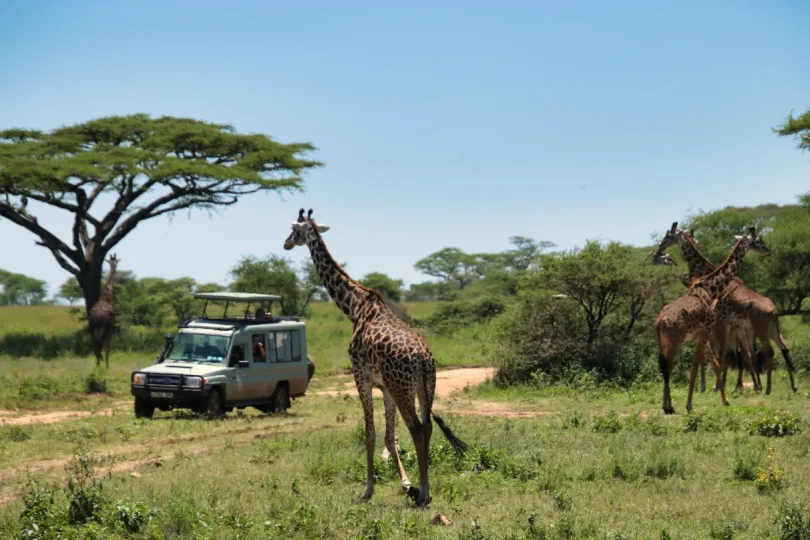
[185, 368]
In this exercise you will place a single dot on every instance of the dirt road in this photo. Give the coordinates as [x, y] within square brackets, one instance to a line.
[447, 382]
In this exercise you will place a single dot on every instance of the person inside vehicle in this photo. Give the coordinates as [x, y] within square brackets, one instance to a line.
[261, 314]
[258, 347]
[237, 355]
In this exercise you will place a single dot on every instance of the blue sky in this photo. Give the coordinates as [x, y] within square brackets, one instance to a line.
[441, 123]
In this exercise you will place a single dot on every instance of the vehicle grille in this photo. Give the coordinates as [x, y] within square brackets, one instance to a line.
[163, 380]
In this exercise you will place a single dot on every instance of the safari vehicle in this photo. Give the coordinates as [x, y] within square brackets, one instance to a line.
[217, 363]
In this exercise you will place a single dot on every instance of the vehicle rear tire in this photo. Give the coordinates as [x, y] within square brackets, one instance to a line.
[310, 367]
[213, 407]
[143, 409]
[280, 401]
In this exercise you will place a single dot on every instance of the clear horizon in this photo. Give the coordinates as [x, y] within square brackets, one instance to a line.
[440, 125]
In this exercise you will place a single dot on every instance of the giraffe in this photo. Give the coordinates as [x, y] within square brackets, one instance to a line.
[101, 317]
[731, 310]
[692, 317]
[386, 354]
[760, 311]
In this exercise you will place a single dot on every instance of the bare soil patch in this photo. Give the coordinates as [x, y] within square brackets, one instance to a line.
[447, 382]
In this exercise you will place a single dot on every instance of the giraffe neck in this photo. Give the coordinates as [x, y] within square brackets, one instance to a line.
[108, 293]
[716, 282]
[351, 297]
[699, 265]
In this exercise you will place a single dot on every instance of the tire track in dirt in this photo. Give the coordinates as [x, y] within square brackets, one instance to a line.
[243, 436]
[124, 449]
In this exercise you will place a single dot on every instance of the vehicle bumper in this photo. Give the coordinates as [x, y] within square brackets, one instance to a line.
[169, 396]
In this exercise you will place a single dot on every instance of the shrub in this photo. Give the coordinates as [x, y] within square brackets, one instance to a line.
[95, 383]
[778, 425]
[793, 522]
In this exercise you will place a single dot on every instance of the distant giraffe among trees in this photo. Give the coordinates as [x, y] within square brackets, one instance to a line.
[101, 317]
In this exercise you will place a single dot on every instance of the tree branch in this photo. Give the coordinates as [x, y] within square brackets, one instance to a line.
[60, 259]
[49, 239]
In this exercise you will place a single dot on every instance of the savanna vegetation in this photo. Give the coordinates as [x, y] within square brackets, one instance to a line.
[567, 439]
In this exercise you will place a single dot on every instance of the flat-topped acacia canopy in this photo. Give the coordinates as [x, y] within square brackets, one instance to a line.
[135, 168]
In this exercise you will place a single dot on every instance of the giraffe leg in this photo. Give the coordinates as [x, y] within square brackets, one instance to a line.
[364, 390]
[697, 359]
[703, 348]
[719, 339]
[107, 351]
[767, 350]
[390, 438]
[667, 351]
[785, 354]
[703, 376]
[406, 408]
[665, 365]
[745, 345]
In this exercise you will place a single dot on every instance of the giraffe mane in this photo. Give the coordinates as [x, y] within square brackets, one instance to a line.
[340, 269]
[720, 268]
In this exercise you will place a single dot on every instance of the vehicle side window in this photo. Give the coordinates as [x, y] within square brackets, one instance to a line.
[283, 352]
[237, 354]
[295, 341]
[259, 348]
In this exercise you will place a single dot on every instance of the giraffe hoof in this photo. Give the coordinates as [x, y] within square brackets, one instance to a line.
[413, 493]
[368, 493]
[423, 503]
[669, 410]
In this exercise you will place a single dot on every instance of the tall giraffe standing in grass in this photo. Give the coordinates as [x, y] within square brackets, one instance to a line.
[730, 312]
[101, 317]
[386, 354]
[692, 317]
[749, 309]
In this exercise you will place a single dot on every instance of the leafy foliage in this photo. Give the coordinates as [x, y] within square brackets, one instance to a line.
[276, 275]
[386, 285]
[580, 312]
[21, 290]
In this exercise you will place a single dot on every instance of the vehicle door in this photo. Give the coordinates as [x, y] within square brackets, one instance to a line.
[259, 379]
[287, 361]
[238, 378]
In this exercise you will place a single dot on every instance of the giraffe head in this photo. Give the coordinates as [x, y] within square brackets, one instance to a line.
[672, 237]
[113, 262]
[663, 259]
[303, 230]
[753, 241]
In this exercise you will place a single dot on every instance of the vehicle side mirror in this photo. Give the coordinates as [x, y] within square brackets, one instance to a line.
[243, 363]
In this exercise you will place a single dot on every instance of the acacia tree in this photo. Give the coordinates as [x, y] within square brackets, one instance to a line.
[145, 167]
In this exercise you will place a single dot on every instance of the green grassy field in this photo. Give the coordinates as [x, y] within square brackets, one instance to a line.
[545, 462]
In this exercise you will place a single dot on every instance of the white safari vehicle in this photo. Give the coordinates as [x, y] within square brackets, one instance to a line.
[217, 363]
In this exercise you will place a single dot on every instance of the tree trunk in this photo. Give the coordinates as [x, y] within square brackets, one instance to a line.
[91, 286]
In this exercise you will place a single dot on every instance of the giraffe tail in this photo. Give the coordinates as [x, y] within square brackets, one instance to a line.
[458, 445]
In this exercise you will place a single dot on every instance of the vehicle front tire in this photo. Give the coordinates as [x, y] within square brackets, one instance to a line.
[280, 401]
[214, 406]
[143, 409]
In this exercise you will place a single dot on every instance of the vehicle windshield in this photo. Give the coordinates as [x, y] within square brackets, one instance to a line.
[198, 348]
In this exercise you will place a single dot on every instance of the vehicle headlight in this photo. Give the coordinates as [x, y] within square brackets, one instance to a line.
[139, 379]
[192, 382]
